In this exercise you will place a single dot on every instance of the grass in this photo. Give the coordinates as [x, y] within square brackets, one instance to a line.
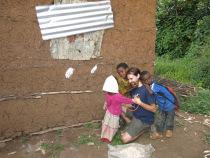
[117, 139]
[199, 104]
[53, 148]
[92, 125]
[24, 139]
[93, 138]
[190, 69]
[179, 69]
[58, 135]
[207, 137]
[87, 138]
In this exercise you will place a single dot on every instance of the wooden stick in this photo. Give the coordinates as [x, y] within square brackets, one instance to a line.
[62, 92]
[39, 95]
[11, 97]
[54, 129]
[63, 127]
[6, 140]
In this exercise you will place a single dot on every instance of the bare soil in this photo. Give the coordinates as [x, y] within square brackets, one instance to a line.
[189, 141]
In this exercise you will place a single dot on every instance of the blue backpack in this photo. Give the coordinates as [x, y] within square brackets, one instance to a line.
[166, 97]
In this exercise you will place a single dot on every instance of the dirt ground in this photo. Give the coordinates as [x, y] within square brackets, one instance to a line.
[189, 141]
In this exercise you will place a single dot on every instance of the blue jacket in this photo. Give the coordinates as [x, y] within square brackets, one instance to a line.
[163, 98]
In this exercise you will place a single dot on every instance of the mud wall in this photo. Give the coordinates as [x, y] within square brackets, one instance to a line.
[27, 66]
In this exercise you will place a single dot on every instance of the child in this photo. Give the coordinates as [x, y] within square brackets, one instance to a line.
[124, 86]
[114, 101]
[164, 119]
[124, 89]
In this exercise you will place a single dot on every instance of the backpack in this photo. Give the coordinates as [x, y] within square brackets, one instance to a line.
[172, 92]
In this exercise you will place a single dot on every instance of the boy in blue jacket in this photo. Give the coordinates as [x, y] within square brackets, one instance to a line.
[166, 101]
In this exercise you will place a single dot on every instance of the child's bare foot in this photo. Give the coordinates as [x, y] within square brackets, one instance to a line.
[155, 135]
[169, 133]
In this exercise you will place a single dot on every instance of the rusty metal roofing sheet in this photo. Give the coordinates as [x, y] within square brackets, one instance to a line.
[63, 20]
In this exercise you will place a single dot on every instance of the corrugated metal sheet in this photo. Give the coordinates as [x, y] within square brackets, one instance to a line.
[63, 20]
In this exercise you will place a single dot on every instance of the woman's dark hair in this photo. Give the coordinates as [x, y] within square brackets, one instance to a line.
[134, 71]
[142, 75]
[122, 65]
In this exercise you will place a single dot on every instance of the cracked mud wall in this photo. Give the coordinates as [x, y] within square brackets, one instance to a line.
[27, 66]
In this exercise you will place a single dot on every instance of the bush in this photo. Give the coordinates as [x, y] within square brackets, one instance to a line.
[198, 104]
[201, 76]
[182, 26]
[201, 37]
[190, 69]
[178, 69]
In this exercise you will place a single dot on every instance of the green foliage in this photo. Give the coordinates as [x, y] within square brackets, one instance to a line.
[207, 137]
[53, 148]
[202, 73]
[87, 138]
[179, 69]
[92, 125]
[190, 69]
[117, 139]
[201, 37]
[198, 104]
[173, 39]
[24, 139]
[182, 26]
[202, 30]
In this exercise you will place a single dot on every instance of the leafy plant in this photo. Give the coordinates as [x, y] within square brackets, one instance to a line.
[117, 139]
[53, 148]
[190, 69]
[87, 138]
[207, 137]
[24, 139]
[182, 26]
[198, 104]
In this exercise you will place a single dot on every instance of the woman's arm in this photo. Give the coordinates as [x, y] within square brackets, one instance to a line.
[151, 107]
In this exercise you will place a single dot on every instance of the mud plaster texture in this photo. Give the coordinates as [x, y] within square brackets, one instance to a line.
[27, 67]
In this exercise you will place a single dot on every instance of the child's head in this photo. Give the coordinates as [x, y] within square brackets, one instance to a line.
[122, 69]
[146, 77]
[111, 85]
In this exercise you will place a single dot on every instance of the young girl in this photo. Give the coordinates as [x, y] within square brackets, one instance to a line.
[114, 101]
[164, 118]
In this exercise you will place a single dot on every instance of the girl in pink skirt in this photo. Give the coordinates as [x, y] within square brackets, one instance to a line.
[113, 103]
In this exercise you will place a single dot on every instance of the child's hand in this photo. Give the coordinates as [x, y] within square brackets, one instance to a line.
[154, 108]
[127, 105]
[137, 100]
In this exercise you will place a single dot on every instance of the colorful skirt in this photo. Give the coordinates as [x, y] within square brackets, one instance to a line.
[110, 125]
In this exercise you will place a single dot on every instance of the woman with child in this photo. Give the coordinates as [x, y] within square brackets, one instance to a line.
[143, 115]
[132, 83]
